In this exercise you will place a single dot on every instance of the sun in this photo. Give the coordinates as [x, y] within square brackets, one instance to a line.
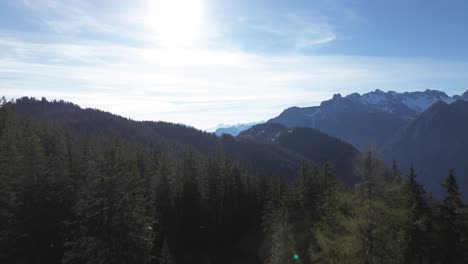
[177, 23]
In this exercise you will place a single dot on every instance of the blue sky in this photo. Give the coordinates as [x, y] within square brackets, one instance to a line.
[205, 62]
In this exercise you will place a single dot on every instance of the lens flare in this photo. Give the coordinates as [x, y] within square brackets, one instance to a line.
[176, 22]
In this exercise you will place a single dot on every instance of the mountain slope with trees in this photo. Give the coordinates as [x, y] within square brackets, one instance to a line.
[435, 142]
[71, 196]
[254, 154]
[312, 144]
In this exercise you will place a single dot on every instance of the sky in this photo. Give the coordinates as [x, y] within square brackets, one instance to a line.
[206, 62]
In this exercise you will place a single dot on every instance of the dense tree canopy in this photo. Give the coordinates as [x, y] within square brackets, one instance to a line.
[72, 197]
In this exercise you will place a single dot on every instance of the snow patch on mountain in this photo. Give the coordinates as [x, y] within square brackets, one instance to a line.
[422, 102]
[419, 103]
[376, 97]
[392, 102]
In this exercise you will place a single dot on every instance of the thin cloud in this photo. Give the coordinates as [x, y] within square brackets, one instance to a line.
[297, 31]
[159, 86]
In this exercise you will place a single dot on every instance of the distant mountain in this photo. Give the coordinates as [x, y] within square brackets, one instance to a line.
[434, 142]
[234, 130]
[372, 118]
[310, 143]
[253, 153]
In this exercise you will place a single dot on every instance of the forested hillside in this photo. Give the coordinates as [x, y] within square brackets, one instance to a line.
[435, 141]
[311, 144]
[94, 190]
[257, 155]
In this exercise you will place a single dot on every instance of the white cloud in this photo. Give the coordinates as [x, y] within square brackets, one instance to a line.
[203, 87]
[295, 30]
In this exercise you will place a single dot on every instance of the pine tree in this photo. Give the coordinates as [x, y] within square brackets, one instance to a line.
[189, 210]
[214, 200]
[39, 212]
[3, 101]
[393, 217]
[236, 201]
[163, 200]
[10, 168]
[368, 252]
[111, 222]
[282, 248]
[396, 173]
[416, 227]
[453, 228]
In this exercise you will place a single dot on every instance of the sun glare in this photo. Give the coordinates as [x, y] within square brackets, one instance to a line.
[176, 22]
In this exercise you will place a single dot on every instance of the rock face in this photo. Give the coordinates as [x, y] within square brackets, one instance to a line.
[363, 120]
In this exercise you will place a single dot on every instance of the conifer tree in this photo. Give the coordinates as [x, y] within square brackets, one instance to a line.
[416, 228]
[396, 173]
[69, 196]
[214, 200]
[111, 222]
[453, 247]
[40, 211]
[189, 210]
[163, 200]
[10, 168]
[368, 251]
[282, 248]
[236, 201]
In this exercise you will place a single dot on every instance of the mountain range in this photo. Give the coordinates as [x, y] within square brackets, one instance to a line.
[363, 120]
[426, 129]
[233, 130]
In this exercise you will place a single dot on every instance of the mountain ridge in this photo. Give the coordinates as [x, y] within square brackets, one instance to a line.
[253, 154]
[434, 143]
[234, 130]
[308, 142]
[349, 117]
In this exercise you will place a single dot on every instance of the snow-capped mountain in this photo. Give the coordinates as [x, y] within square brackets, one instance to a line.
[365, 119]
[394, 102]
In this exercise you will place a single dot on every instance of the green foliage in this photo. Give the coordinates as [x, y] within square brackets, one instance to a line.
[336, 239]
[112, 224]
[417, 224]
[70, 196]
[282, 242]
[453, 225]
[384, 219]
